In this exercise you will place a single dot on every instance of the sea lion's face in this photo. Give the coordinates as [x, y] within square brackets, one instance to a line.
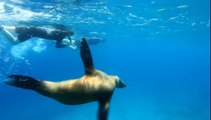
[119, 83]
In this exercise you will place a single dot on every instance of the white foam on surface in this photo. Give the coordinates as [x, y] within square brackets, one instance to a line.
[15, 13]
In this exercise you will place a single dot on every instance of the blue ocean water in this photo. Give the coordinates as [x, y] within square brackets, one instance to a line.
[161, 49]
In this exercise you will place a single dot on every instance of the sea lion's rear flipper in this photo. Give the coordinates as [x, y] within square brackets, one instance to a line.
[23, 82]
[86, 57]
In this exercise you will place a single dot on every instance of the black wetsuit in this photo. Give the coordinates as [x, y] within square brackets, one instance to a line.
[25, 33]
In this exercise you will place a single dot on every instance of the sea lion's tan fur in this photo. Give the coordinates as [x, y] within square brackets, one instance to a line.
[82, 90]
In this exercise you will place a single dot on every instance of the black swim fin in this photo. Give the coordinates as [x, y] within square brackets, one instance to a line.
[23, 82]
[86, 57]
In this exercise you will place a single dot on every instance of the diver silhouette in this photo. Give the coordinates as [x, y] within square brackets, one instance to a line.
[26, 32]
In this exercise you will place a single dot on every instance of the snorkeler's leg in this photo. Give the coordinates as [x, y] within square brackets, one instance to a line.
[7, 31]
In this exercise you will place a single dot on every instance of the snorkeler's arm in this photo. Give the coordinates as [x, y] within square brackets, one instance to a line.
[59, 44]
[103, 110]
[69, 38]
[10, 36]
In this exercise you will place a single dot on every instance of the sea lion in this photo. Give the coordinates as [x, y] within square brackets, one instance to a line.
[95, 85]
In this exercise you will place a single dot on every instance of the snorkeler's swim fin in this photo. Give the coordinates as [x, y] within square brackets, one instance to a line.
[23, 82]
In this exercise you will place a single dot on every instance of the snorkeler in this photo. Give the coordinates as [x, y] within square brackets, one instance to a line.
[26, 32]
[79, 1]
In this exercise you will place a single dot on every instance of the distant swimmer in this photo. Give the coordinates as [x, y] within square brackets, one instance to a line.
[95, 85]
[79, 1]
[75, 44]
[26, 32]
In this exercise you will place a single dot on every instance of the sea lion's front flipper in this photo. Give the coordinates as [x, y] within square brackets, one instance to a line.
[86, 57]
[103, 109]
